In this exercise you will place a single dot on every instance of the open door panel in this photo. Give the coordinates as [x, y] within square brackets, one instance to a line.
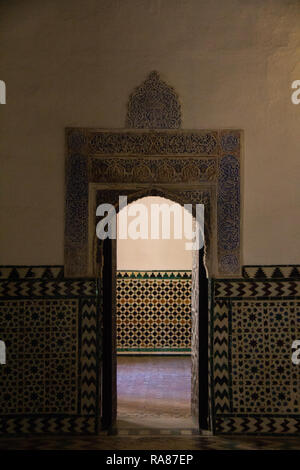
[109, 362]
[199, 344]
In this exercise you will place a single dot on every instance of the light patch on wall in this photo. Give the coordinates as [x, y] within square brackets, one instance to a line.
[296, 94]
[296, 354]
[2, 353]
[2, 92]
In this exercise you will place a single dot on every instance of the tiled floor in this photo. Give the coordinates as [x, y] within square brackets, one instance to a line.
[154, 414]
[151, 443]
[154, 395]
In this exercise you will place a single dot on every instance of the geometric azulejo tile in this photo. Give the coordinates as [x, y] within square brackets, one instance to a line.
[153, 312]
[264, 379]
[255, 386]
[50, 326]
[41, 343]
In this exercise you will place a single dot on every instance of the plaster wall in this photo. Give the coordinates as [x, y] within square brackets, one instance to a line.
[74, 63]
[150, 254]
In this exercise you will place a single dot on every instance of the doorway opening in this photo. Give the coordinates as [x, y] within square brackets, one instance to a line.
[155, 364]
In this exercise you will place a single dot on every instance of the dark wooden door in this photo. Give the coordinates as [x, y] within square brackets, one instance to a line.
[199, 398]
[109, 362]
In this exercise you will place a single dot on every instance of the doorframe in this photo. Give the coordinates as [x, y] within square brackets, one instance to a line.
[187, 166]
[107, 250]
[176, 161]
[203, 330]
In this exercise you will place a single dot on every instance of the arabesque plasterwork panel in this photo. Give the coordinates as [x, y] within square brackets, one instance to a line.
[167, 161]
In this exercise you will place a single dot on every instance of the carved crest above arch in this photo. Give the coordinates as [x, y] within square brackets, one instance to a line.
[153, 105]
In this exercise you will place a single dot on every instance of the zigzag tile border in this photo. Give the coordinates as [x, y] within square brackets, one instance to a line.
[31, 272]
[16, 425]
[263, 425]
[220, 357]
[285, 271]
[168, 274]
[40, 288]
[224, 288]
[88, 358]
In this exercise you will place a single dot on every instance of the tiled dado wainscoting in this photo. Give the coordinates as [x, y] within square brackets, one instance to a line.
[154, 312]
[51, 327]
[254, 321]
[49, 324]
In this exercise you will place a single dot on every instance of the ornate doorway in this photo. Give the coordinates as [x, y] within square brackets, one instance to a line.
[187, 166]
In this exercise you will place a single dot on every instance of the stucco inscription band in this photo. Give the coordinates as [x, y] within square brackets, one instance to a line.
[2, 352]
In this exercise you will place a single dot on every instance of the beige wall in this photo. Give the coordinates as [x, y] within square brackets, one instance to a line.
[74, 63]
[163, 254]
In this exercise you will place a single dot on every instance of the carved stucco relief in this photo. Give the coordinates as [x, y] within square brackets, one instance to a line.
[183, 164]
[153, 105]
[153, 154]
